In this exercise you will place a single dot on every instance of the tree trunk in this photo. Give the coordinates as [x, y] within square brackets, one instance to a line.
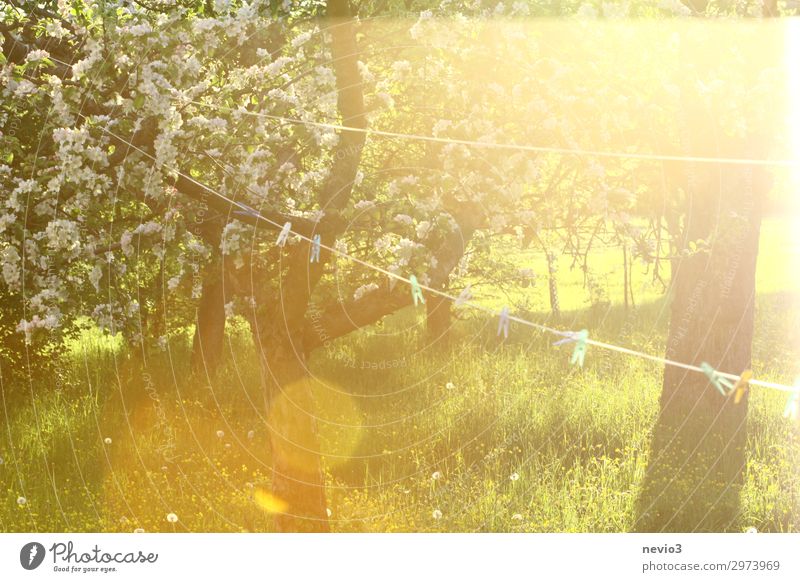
[697, 456]
[281, 321]
[552, 282]
[625, 273]
[438, 317]
[298, 483]
[448, 254]
[209, 333]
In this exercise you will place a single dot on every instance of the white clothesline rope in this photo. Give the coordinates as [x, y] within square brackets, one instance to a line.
[564, 334]
[505, 146]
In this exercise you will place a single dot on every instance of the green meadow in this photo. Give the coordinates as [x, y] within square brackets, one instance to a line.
[472, 435]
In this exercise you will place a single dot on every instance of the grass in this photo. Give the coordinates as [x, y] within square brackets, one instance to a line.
[480, 436]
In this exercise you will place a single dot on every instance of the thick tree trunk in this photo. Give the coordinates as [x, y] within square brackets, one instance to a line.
[697, 456]
[209, 333]
[298, 483]
[438, 317]
[448, 255]
[281, 321]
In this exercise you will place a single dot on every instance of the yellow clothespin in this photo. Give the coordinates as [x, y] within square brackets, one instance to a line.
[741, 386]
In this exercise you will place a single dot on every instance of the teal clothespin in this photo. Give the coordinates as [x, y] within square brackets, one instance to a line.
[503, 326]
[416, 291]
[284, 234]
[316, 244]
[720, 383]
[579, 353]
[464, 296]
[792, 410]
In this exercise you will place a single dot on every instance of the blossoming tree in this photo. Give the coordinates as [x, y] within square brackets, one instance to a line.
[151, 156]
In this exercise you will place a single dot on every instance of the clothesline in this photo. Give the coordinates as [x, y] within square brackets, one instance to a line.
[505, 146]
[563, 333]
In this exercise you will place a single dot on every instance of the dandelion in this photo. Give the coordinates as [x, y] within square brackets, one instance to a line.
[138, 530]
[517, 517]
[220, 433]
[436, 475]
[172, 518]
[21, 501]
[107, 440]
[436, 514]
[449, 385]
[514, 476]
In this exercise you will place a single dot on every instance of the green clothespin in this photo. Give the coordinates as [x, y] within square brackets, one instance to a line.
[416, 291]
[579, 353]
[720, 383]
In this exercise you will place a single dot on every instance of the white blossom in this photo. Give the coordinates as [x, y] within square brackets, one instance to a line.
[364, 289]
[37, 55]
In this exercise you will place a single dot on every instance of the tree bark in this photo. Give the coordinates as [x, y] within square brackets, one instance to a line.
[298, 482]
[298, 478]
[697, 456]
[209, 333]
[438, 317]
[448, 254]
[552, 283]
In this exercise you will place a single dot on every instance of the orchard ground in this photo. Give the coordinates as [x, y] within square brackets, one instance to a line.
[417, 436]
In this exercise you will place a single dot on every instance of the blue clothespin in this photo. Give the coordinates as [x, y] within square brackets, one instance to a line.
[502, 326]
[464, 296]
[416, 291]
[284, 235]
[316, 243]
[792, 409]
[720, 383]
[579, 353]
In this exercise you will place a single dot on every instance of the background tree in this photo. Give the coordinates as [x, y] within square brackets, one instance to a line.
[698, 455]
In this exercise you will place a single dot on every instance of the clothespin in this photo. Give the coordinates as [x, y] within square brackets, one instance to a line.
[741, 386]
[247, 211]
[504, 323]
[792, 409]
[718, 381]
[416, 291]
[284, 235]
[579, 353]
[316, 243]
[464, 296]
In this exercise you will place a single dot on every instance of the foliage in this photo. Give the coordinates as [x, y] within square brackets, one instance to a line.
[577, 441]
